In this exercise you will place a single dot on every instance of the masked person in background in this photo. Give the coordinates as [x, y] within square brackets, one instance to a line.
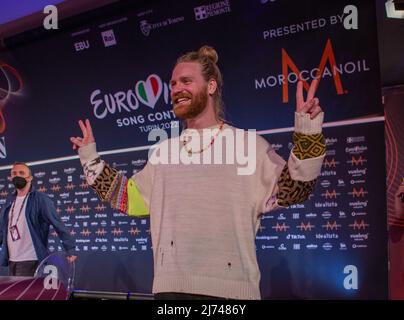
[24, 226]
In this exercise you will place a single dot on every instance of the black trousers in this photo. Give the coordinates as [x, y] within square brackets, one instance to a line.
[22, 268]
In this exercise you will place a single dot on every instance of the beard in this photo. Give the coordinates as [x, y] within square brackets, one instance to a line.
[195, 106]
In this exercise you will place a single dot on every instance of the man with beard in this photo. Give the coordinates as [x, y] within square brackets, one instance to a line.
[24, 226]
[204, 217]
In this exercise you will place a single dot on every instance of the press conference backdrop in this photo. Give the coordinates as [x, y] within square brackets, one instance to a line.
[115, 70]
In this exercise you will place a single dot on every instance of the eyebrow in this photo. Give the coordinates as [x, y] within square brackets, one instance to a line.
[182, 78]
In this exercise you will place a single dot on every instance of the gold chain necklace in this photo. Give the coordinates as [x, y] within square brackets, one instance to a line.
[190, 152]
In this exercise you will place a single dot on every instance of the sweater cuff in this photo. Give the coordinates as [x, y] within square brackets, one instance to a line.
[305, 170]
[88, 153]
[305, 125]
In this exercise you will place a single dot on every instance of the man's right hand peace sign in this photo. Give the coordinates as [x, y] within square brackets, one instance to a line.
[87, 138]
[312, 104]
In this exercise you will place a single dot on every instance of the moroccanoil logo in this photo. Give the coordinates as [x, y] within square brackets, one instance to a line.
[328, 55]
[280, 227]
[328, 67]
[357, 161]
[331, 226]
[330, 163]
[358, 193]
[359, 225]
[305, 227]
[330, 194]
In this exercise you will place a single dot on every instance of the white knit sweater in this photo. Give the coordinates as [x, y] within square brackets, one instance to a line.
[204, 217]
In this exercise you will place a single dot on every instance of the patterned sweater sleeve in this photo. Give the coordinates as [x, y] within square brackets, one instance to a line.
[297, 178]
[130, 196]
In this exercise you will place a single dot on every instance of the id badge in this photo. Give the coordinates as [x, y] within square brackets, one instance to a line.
[15, 235]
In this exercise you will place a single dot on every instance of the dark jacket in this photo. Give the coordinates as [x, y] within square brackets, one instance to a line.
[40, 214]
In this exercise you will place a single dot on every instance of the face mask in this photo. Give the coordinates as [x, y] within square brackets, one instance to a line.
[19, 182]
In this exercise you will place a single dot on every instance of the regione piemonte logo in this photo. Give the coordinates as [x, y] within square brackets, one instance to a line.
[200, 13]
[108, 37]
[211, 10]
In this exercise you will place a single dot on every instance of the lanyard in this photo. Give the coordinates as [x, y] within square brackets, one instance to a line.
[19, 213]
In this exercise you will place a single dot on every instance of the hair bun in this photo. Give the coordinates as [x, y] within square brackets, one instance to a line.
[209, 52]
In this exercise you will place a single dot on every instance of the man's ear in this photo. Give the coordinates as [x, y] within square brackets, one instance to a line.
[29, 179]
[212, 86]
